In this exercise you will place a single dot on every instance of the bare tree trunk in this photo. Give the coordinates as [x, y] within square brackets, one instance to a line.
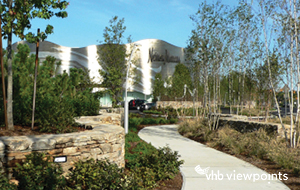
[298, 70]
[35, 78]
[229, 81]
[239, 89]
[3, 78]
[292, 88]
[10, 120]
[269, 68]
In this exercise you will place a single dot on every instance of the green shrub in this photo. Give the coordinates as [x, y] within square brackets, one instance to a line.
[163, 162]
[141, 148]
[152, 112]
[59, 97]
[102, 174]
[133, 115]
[164, 121]
[131, 136]
[144, 177]
[197, 128]
[285, 157]
[150, 121]
[173, 120]
[38, 172]
[134, 122]
[5, 184]
[148, 164]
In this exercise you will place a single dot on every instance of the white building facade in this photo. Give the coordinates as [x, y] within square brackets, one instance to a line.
[151, 57]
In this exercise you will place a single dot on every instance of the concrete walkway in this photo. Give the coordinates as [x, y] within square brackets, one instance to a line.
[225, 172]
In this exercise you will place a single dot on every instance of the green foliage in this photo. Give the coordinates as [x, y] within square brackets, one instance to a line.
[173, 121]
[38, 172]
[131, 136]
[16, 16]
[197, 128]
[181, 77]
[151, 163]
[112, 56]
[144, 177]
[152, 112]
[59, 97]
[5, 184]
[135, 122]
[102, 174]
[148, 121]
[164, 163]
[158, 86]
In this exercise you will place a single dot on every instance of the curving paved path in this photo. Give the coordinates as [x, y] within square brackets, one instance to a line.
[225, 172]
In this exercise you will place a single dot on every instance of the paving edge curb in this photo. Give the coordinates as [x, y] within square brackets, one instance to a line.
[183, 179]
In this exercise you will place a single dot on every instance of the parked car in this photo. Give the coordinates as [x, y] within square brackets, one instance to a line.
[147, 106]
[136, 104]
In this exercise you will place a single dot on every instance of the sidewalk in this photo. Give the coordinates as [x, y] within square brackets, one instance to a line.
[225, 171]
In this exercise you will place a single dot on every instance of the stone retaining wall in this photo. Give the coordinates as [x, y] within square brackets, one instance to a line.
[105, 140]
[117, 113]
[242, 125]
[177, 104]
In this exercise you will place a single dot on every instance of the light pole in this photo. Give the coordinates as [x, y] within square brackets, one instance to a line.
[126, 86]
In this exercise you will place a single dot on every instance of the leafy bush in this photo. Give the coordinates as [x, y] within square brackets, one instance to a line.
[173, 120]
[163, 162]
[144, 177]
[152, 112]
[134, 122]
[197, 128]
[38, 172]
[149, 121]
[59, 97]
[133, 153]
[102, 174]
[5, 184]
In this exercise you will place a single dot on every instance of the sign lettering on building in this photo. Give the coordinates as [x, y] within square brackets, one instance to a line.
[155, 56]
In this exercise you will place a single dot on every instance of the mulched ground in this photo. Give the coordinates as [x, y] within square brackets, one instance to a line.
[172, 184]
[26, 130]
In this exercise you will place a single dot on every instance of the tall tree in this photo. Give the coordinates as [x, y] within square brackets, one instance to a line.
[203, 44]
[16, 16]
[180, 78]
[111, 58]
[266, 12]
[158, 87]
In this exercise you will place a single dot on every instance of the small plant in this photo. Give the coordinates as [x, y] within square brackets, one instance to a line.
[144, 177]
[5, 184]
[134, 122]
[152, 112]
[197, 128]
[38, 172]
[102, 174]
[163, 162]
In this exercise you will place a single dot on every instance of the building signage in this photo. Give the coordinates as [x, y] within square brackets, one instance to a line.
[155, 56]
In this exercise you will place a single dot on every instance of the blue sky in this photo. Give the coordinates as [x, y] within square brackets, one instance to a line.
[167, 20]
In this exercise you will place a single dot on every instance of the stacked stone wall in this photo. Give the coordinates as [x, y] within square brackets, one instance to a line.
[242, 125]
[105, 140]
[177, 104]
